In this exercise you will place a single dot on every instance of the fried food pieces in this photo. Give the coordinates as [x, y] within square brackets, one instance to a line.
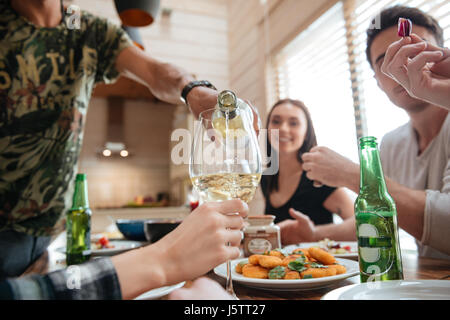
[299, 264]
[321, 256]
[340, 269]
[269, 262]
[318, 273]
[252, 271]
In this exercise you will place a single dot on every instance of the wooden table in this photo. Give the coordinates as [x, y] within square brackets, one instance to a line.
[414, 268]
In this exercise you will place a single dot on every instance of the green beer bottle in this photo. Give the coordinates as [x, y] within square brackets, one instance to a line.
[78, 225]
[376, 220]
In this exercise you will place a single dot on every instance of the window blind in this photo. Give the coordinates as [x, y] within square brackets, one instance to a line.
[314, 68]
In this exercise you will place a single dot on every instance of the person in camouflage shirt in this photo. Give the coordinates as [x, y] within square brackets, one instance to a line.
[47, 74]
[48, 77]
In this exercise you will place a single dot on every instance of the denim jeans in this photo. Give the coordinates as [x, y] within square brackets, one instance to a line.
[18, 251]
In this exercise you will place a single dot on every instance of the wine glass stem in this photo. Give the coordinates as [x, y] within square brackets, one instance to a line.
[229, 284]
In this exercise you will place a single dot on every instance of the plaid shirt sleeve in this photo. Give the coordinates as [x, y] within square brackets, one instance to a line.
[94, 280]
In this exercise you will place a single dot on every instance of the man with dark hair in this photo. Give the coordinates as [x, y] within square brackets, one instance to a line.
[415, 156]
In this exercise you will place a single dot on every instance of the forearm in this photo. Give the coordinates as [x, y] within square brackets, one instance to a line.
[410, 203]
[345, 231]
[410, 207]
[140, 270]
[164, 80]
[437, 221]
[349, 177]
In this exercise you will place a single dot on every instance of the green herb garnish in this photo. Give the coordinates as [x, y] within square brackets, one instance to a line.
[298, 264]
[277, 273]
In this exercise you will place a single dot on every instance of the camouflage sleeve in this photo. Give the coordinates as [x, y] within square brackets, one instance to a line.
[112, 39]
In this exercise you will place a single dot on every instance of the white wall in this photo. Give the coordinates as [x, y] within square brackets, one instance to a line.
[194, 36]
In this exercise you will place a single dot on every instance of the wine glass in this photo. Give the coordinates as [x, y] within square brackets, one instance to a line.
[224, 165]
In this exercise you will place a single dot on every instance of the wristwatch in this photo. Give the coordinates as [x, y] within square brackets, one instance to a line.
[191, 85]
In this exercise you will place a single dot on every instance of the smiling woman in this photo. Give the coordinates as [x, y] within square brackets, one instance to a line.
[289, 192]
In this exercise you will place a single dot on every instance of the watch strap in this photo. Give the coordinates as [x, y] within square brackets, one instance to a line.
[191, 85]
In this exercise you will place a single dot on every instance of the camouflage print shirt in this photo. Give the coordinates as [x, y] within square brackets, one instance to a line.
[46, 79]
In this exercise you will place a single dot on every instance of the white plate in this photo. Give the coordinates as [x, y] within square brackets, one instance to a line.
[393, 290]
[300, 284]
[351, 255]
[159, 292]
[119, 247]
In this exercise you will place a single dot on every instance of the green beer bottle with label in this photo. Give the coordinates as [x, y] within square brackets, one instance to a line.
[376, 220]
[78, 225]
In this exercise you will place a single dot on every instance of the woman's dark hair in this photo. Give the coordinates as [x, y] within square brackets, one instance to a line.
[309, 142]
[389, 17]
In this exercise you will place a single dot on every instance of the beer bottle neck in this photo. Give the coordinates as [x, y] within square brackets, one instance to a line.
[371, 173]
[80, 195]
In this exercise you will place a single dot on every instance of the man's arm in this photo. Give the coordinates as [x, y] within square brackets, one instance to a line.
[330, 168]
[410, 207]
[164, 80]
[212, 232]
[339, 202]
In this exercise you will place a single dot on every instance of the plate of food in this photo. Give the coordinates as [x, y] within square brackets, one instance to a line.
[106, 247]
[339, 249]
[296, 269]
[102, 246]
[159, 292]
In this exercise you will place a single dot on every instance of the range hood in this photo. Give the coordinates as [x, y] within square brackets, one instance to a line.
[115, 138]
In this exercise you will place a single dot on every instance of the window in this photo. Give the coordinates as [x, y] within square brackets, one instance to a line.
[314, 68]
[325, 66]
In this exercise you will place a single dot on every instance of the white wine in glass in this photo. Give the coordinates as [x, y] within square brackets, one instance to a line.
[226, 186]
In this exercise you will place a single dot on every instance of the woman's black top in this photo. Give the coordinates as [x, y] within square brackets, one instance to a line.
[307, 199]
